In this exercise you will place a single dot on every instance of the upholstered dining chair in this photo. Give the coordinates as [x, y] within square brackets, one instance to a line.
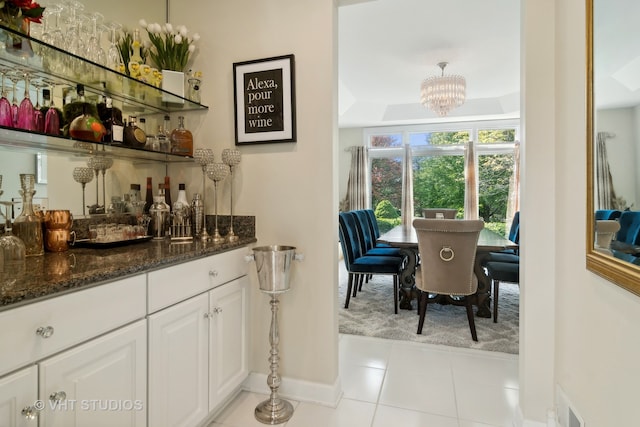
[366, 237]
[606, 230]
[508, 255]
[447, 250]
[358, 265]
[501, 272]
[433, 213]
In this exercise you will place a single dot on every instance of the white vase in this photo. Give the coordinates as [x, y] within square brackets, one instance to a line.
[173, 82]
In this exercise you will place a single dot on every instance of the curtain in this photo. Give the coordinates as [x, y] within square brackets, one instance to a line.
[605, 194]
[358, 193]
[407, 188]
[513, 205]
[471, 182]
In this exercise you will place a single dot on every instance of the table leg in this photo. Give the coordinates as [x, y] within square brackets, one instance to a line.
[408, 278]
[483, 295]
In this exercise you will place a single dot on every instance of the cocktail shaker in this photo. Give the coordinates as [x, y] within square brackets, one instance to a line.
[197, 210]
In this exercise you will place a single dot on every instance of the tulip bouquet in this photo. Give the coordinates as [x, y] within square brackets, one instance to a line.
[171, 47]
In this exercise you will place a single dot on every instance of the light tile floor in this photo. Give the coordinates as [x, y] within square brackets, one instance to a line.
[390, 383]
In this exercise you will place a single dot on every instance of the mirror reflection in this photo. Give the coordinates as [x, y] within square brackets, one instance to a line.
[614, 136]
[55, 185]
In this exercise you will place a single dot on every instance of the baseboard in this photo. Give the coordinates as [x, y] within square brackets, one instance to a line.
[300, 390]
[519, 421]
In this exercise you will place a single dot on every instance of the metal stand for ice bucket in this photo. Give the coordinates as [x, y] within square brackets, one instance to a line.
[273, 264]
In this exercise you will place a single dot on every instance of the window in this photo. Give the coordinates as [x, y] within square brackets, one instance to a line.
[438, 166]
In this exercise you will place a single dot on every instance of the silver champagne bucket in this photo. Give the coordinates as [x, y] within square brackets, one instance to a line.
[273, 264]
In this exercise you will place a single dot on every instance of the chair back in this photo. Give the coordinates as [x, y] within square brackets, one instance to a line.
[608, 214]
[365, 232]
[348, 239]
[433, 213]
[373, 221]
[447, 254]
[514, 231]
[629, 227]
[606, 230]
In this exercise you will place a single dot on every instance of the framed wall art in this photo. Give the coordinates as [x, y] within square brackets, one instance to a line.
[264, 100]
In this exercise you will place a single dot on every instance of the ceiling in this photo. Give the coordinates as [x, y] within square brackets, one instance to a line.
[387, 47]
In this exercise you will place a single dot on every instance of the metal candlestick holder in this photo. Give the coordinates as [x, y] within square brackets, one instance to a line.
[273, 264]
[204, 157]
[216, 172]
[231, 158]
[83, 176]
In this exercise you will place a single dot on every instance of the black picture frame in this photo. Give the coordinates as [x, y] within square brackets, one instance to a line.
[264, 100]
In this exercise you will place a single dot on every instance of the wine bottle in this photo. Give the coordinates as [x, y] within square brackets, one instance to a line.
[149, 196]
[112, 119]
[181, 139]
[167, 191]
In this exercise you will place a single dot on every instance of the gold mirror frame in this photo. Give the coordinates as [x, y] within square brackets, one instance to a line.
[622, 273]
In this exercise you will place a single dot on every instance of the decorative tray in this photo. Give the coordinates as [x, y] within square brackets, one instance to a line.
[87, 243]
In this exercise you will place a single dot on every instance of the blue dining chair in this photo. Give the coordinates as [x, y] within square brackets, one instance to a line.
[508, 255]
[375, 229]
[366, 236]
[629, 228]
[359, 265]
[501, 272]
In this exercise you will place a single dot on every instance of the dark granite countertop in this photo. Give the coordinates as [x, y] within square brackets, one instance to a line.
[55, 273]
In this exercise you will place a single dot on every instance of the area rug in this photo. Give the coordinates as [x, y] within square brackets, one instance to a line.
[370, 314]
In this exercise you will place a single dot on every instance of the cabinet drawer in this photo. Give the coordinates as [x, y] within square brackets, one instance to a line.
[70, 318]
[174, 284]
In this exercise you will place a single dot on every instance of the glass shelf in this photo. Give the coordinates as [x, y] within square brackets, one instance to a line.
[63, 69]
[38, 143]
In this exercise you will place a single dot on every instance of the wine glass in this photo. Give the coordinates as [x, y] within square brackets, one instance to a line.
[107, 162]
[93, 51]
[6, 114]
[95, 163]
[203, 156]
[15, 78]
[114, 57]
[26, 109]
[38, 116]
[216, 172]
[52, 117]
[231, 158]
[83, 176]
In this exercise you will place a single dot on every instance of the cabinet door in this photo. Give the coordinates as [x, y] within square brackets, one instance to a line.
[101, 383]
[228, 339]
[19, 391]
[178, 364]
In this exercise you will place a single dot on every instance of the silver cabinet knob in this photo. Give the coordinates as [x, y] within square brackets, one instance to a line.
[217, 310]
[30, 413]
[45, 331]
[58, 396]
[213, 273]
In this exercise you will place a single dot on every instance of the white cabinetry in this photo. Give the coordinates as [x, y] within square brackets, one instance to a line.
[198, 345]
[101, 383]
[51, 348]
[18, 394]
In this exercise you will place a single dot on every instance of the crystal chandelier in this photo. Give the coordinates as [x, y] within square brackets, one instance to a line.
[442, 94]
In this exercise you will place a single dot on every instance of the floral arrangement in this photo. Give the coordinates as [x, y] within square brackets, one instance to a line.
[13, 10]
[170, 47]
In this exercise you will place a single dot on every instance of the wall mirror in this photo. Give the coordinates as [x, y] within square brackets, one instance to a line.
[613, 141]
[56, 188]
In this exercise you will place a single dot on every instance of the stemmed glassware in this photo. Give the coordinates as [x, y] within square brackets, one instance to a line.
[83, 176]
[231, 158]
[6, 114]
[15, 78]
[26, 109]
[38, 116]
[114, 58]
[93, 51]
[52, 118]
[216, 172]
[96, 163]
[204, 157]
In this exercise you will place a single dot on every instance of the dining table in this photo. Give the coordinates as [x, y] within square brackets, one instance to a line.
[406, 239]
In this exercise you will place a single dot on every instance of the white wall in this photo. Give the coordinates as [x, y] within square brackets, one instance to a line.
[596, 334]
[291, 188]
